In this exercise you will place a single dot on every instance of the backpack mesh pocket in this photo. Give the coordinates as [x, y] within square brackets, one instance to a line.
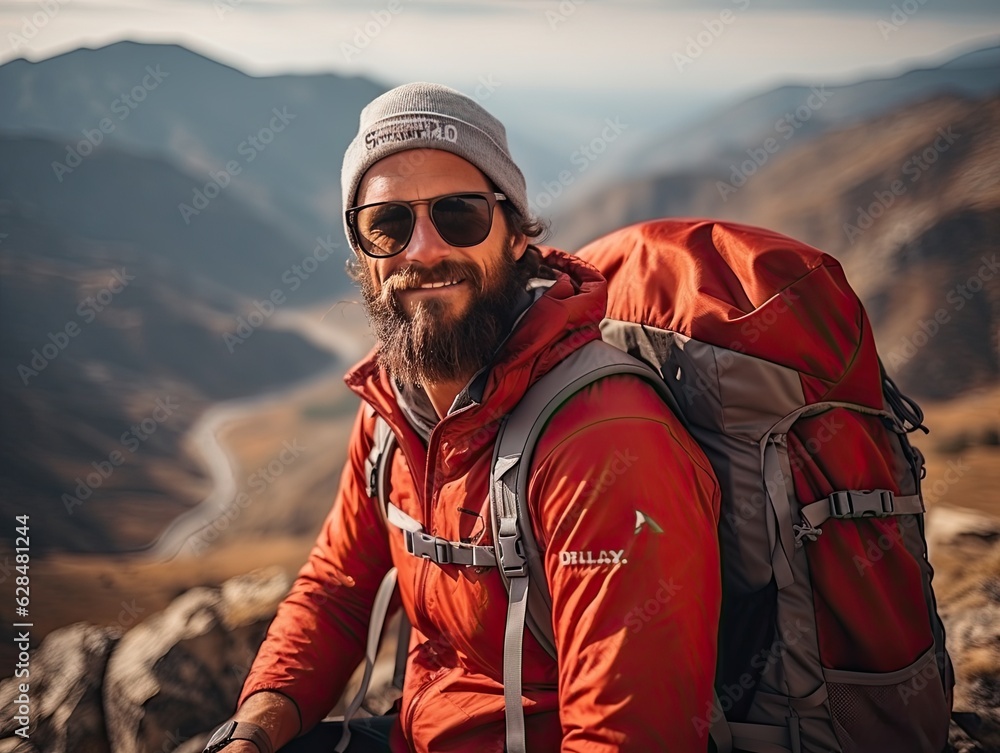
[903, 710]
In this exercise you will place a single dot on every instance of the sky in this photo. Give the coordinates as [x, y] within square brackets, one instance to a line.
[571, 44]
[655, 61]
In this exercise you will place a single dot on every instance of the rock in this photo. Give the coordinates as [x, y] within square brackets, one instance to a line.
[178, 674]
[65, 694]
[964, 548]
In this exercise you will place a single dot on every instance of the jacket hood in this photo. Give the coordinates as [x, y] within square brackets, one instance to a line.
[565, 317]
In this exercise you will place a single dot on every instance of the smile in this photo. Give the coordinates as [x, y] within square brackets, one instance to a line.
[437, 285]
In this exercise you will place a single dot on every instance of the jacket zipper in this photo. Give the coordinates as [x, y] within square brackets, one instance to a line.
[421, 587]
[428, 497]
[412, 709]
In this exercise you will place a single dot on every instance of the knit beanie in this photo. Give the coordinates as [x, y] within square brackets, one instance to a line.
[431, 116]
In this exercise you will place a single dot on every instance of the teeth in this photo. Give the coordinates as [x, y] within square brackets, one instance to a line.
[429, 285]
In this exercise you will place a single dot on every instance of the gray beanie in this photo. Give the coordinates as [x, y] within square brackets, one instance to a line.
[431, 116]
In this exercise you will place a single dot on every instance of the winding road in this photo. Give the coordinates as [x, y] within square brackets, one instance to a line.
[219, 462]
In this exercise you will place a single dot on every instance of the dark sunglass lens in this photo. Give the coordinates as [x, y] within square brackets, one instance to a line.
[462, 220]
[385, 228]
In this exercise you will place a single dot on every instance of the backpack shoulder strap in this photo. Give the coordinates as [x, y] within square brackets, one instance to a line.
[377, 463]
[518, 557]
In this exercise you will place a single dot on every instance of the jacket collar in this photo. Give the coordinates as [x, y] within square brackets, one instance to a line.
[565, 316]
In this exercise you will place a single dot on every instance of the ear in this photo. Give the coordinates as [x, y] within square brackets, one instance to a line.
[518, 245]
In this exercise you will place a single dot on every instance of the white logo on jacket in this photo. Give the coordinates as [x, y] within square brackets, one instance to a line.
[604, 557]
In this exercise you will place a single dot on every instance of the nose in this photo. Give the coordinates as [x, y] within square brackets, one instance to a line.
[426, 245]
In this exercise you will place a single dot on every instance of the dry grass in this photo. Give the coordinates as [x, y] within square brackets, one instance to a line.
[960, 440]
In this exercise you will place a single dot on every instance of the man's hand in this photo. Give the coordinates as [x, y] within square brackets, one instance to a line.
[274, 712]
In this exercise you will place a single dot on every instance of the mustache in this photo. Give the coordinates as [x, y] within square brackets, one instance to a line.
[417, 275]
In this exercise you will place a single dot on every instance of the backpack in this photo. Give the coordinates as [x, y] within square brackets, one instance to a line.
[829, 638]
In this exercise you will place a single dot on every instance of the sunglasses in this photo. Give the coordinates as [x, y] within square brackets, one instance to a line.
[385, 228]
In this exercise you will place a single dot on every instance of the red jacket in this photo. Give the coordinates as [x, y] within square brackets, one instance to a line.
[636, 598]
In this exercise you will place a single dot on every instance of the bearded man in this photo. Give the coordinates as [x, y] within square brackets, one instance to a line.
[469, 313]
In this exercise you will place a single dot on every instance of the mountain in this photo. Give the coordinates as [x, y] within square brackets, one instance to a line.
[802, 111]
[157, 209]
[126, 199]
[119, 329]
[275, 142]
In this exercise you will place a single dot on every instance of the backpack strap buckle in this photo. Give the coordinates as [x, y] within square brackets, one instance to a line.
[443, 552]
[510, 549]
[851, 503]
[421, 544]
[861, 504]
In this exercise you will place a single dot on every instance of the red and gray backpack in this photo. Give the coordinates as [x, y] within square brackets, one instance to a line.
[829, 637]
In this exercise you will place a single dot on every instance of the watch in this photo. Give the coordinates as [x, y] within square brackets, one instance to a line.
[233, 731]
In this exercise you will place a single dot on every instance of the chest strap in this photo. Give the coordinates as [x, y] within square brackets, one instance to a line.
[434, 548]
[418, 542]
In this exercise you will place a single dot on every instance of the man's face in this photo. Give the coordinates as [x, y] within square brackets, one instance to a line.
[430, 331]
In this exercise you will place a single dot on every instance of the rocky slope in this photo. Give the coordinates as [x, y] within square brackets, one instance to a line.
[161, 685]
[164, 684]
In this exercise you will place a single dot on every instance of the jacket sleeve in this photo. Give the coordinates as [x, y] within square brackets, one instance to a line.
[626, 507]
[317, 637]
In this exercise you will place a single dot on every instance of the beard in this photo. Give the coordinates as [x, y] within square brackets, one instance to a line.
[432, 344]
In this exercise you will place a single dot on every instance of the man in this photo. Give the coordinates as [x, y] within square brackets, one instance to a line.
[469, 314]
